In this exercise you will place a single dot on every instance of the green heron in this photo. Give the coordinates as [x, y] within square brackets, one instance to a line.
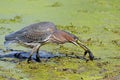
[38, 34]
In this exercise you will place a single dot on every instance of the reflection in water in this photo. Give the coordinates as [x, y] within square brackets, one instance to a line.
[21, 55]
[25, 55]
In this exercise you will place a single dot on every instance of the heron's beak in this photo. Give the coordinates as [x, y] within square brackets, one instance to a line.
[87, 50]
[75, 43]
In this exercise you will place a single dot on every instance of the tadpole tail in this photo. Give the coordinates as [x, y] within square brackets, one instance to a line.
[91, 56]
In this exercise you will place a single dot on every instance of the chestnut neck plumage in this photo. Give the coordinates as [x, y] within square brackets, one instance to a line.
[61, 37]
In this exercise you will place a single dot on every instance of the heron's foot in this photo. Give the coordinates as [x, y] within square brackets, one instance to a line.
[29, 59]
[38, 58]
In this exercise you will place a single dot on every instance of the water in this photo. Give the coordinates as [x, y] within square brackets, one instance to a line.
[96, 23]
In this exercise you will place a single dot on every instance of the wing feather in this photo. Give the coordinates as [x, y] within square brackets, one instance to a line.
[38, 32]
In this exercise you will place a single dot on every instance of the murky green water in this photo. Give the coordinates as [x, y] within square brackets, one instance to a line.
[95, 22]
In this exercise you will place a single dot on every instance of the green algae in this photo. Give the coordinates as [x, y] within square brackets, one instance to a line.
[15, 19]
[55, 4]
[63, 68]
[9, 71]
[95, 22]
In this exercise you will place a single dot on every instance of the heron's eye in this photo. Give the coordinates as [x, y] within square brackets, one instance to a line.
[75, 38]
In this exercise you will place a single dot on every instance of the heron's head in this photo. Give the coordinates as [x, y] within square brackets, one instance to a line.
[73, 39]
[63, 36]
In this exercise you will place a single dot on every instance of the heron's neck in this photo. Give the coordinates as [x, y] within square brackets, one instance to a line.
[58, 37]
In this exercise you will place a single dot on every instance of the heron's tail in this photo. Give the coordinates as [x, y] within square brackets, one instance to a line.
[11, 38]
[6, 44]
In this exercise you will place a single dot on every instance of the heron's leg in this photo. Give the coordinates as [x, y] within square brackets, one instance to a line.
[37, 55]
[33, 51]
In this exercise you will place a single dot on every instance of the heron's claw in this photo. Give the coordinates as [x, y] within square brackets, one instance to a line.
[38, 59]
[29, 60]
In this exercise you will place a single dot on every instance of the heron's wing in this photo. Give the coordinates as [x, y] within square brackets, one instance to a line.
[38, 32]
[34, 36]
